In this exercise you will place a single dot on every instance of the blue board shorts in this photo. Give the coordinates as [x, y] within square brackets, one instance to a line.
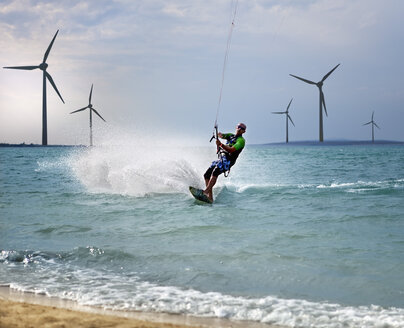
[217, 167]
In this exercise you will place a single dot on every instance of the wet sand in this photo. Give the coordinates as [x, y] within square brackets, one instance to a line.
[19, 310]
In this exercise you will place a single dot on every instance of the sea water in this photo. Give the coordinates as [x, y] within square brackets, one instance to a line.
[299, 236]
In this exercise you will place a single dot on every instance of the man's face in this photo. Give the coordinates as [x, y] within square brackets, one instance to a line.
[240, 129]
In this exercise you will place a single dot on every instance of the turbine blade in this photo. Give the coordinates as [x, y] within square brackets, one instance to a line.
[373, 115]
[376, 125]
[367, 123]
[329, 73]
[91, 93]
[45, 57]
[289, 104]
[98, 114]
[304, 80]
[79, 110]
[29, 68]
[278, 112]
[323, 101]
[53, 85]
[291, 120]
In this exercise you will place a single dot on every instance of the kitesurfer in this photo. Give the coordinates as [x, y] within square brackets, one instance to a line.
[228, 154]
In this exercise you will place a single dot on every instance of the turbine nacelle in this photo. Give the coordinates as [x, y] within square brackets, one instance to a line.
[43, 66]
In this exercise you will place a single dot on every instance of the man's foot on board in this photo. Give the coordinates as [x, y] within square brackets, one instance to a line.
[207, 196]
[200, 194]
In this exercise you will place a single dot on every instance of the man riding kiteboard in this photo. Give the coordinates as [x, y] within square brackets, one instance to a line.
[228, 155]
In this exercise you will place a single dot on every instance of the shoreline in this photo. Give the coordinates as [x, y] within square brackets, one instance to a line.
[42, 310]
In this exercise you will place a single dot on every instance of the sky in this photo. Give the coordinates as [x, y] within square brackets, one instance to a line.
[156, 66]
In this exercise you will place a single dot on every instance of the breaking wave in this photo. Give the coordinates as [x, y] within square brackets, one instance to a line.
[126, 291]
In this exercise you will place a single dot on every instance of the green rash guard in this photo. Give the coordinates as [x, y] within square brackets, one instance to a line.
[233, 141]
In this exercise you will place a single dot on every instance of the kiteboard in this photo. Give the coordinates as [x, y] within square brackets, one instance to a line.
[199, 195]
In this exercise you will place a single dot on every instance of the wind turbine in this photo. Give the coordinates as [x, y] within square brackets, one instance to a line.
[287, 119]
[43, 66]
[322, 101]
[90, 107]
[373, 127]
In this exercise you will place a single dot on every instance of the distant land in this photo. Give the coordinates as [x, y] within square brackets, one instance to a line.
[36, 145]
[335, 143]
[291, 143]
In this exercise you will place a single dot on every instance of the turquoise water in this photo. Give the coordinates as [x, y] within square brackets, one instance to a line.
[299, 236]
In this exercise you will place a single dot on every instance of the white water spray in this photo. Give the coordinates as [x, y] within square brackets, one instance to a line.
[140, 165]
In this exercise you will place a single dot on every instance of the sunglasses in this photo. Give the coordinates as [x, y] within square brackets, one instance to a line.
[241, 127]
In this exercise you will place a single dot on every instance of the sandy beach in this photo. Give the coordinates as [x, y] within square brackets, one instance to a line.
[18, 310]
[20, 314]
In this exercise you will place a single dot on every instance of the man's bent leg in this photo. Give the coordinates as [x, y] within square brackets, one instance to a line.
[208, 191]
[207, 175]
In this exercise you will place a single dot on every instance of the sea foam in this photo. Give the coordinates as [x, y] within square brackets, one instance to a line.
[128, 292]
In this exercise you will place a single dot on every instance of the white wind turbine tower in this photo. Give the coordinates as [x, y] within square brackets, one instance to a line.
[322, 100]
[287, 119]
[373, 123]
[92, 109]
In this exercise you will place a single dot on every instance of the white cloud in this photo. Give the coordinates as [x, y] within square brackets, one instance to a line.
[317, 24]
[174, 10]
